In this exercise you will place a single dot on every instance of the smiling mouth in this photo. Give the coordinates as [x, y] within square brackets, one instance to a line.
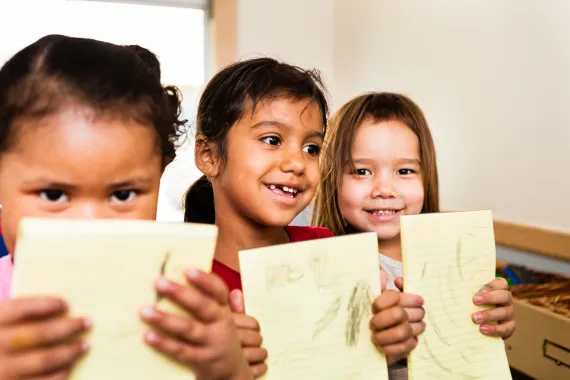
[286, 191]
[384, 212]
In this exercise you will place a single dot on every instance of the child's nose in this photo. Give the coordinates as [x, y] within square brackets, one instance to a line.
[88, 210]
[292, 162]
[383, 188]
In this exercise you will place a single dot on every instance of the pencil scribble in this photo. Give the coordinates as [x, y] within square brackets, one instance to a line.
[328, 317]
[443, 298]
[280, 275]
[435, 328]
[458, 259]
[162, 271]
[358, 308]
[435, 360]
[317, 264]
[465, 358]
[424, 270]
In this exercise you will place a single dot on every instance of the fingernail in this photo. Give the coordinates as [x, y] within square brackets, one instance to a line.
[151, 337]
[162, 283]
[421, 300]
[87, 324]
[147, 312]
[485, 329]
[484, 289]
[478, 299]
[416, 339]
[85, 346]
[478, 317]
[192, 273]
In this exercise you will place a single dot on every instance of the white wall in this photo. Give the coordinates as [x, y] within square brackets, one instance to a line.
[493, 78]
[300, 32]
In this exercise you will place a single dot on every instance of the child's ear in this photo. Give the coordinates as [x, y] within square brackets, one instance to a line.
[206, 157]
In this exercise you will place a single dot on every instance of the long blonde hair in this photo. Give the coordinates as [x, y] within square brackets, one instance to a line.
[342, 128]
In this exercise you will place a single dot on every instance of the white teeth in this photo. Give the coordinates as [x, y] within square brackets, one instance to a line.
[384, 212]
[284, 188]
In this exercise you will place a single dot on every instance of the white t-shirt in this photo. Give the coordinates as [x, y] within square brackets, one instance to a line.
[393, 269]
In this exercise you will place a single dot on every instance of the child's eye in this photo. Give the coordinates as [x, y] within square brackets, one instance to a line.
[362, 172]
[271, 140]
[406, 171]
[312, 149]
[53, 196]
[123, 196]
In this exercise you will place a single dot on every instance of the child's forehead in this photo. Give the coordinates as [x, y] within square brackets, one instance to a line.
[385, 139]
[285, 110]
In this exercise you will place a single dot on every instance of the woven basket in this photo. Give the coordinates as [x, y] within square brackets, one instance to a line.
[554, 295]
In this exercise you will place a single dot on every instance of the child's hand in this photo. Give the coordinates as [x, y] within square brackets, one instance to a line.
[391, 331]
[38, 340]
[207, 341]
[502, 317]
[249, 335]
[412, 304]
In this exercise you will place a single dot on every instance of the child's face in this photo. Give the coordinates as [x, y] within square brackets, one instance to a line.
[387, 181]
[73, 166]
[271, 172]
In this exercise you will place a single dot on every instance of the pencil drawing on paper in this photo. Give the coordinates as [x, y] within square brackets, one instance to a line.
[317, 264]
[328, 317]
[162, 272]
[282, 274]
[358, 309]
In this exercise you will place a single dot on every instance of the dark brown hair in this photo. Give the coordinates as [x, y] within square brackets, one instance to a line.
[114, 81]
[236, 88]
[339, 141]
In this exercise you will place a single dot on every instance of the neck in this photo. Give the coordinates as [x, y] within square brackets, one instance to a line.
[391, 248]
[235, 234]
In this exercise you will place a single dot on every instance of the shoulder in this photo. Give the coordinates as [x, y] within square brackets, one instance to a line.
[301, 233]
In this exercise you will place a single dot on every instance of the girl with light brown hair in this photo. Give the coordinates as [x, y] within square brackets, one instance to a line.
[379, 163]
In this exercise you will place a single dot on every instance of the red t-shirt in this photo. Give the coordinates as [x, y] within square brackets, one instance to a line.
[232, 277]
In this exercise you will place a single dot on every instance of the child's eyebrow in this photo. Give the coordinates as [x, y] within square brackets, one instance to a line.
[275, 123]
[409, 161]
[136, 181]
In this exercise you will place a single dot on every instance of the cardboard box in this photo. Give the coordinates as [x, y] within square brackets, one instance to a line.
[540, 346]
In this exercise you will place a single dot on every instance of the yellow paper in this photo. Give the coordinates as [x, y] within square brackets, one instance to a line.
[448, 257]
[106, 270]
[313, 302]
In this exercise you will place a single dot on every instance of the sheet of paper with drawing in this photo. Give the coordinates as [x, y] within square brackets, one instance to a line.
[313, 302]
[106, 271]
[448, 257]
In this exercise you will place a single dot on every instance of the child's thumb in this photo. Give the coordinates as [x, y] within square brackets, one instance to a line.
[383, 280]
[236, 301]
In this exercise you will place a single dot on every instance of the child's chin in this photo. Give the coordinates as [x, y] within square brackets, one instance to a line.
[387, 233]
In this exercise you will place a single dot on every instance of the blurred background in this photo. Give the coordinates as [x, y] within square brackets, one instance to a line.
[493, 78]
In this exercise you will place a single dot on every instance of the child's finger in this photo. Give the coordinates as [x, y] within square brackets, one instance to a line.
[388, 318]
[399, 351]
[209, 283]
[497, 283]
[415, 314]
[396, 334]
[494, 315]
[243, 321]
[173, 348]
[249, 338]
[21, 309]
[184, 328]
[236, 301]
[410, 300]
[399, 282]
[255, 354]
[495, 297]
[258, 370]
[387, 299]
[418, 328]
[46, 361]
[42, 334]
[202, 306]
[504, 330]
[59, 375]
